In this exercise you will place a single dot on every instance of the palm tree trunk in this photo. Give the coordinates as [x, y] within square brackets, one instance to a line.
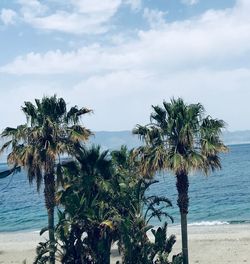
[49, 194]
[184, 238]
[182, 185]
[104, 248]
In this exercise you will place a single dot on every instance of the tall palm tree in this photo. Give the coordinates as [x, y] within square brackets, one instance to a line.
[180, 138]
[50, 131]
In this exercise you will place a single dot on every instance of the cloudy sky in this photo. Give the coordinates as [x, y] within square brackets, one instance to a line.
[119, 57]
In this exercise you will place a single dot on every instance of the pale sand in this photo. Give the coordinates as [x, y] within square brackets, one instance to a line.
[207, 245]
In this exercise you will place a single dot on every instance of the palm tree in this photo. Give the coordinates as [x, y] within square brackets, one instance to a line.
[86, 197]
[50, 131]
[180, 138]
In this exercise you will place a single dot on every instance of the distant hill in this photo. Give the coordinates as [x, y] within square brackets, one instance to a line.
[236, 137]
[113, 140]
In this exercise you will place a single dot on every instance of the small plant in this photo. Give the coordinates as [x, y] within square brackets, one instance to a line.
[162, 247]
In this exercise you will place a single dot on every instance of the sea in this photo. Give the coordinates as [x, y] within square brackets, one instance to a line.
[221, 198]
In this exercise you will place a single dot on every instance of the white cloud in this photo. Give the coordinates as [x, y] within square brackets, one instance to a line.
[190, 2]
[8, 16]
[96, 6]
[204, 59]
[154, 17]
[83, 60]
[32, 8]
[122, 99]
[132, 93]
[134, 4]
[216, 39]
[70, 23]
[75, 16]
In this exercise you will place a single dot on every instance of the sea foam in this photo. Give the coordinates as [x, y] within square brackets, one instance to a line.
[209, 223]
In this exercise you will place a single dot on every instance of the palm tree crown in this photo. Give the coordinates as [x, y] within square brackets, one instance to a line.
[179, 138]
[50, 131]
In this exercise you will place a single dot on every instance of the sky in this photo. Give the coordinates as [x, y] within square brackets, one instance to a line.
[119, 57]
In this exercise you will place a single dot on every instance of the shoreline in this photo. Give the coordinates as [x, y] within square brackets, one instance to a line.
[207, 244]
[202, 224]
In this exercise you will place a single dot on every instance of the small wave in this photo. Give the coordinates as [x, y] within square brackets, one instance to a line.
[235, 222]
[36, 231]
[209, 223]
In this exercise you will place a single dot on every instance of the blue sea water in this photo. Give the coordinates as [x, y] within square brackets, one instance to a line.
[223, 197]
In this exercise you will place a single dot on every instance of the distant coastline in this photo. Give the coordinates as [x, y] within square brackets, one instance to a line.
[114, 139]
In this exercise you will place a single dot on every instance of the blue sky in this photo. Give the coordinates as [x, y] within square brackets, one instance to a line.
[119, 57]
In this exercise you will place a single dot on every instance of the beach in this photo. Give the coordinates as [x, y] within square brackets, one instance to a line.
[217, 244]
[207, 245]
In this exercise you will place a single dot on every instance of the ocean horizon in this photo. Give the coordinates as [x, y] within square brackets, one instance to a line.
[222, 198]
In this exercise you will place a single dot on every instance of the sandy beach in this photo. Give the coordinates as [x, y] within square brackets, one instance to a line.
[208, 245]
